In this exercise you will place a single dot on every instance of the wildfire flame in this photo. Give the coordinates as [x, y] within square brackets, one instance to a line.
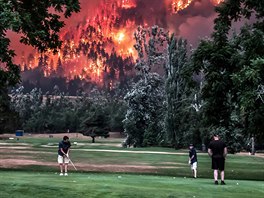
[120, 37]
[180, 5]
[216, 2]
[96, 48]
[128, 4]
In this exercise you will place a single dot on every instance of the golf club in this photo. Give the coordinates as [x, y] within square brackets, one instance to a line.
[72, 164]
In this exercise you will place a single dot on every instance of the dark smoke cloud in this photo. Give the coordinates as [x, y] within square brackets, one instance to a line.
[199, 8]
[195, 22]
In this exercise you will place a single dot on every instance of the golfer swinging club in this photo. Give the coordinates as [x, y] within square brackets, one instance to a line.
[63, 155]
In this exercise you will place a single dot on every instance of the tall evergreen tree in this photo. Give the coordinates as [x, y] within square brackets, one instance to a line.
[176, 90]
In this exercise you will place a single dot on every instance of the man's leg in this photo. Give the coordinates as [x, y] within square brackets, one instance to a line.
[195, 173]
[66, 168]
[215, 167]
[222, 168]
[194, 167]
[60, 161]
[66, 162]
[223, 177]
[61, 168]
[215, 175]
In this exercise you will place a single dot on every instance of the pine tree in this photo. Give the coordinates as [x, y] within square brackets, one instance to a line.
[176, 90]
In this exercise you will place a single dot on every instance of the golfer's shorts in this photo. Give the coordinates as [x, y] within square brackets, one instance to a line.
[194, 166]
[218, 164]
[62, 160]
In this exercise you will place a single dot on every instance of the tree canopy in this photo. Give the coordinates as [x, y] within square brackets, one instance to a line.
[233, 67]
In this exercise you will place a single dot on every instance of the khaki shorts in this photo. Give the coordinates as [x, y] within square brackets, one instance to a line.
[194, 166]
[62, 160]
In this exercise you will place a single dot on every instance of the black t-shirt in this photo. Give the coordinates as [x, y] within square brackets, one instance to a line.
[65, 147]
[217, 147]
[192, 152]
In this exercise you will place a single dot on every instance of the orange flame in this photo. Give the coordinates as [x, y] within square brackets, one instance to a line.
[180, 5]
[128, 4]
[216, 2]
[97, 34]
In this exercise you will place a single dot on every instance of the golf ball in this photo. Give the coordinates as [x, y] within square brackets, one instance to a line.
[237, 183]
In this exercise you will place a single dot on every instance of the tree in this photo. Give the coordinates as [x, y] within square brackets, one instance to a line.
[176, 90]
[38, 26]
[144, 123]
[9, 120]
[247, 81]
[95, 123]
[151, 49]
[227, 64]
[38, 23]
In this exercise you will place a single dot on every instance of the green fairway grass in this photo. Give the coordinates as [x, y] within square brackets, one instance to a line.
[169, 175]
[167, 161]
[47, 184]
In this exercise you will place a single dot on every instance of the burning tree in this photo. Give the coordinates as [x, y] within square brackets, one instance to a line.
[99, 50]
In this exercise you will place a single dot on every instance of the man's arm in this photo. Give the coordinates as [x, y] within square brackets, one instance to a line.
[210, 153]
[190, 157]
[67, 154]
[61, 149]
[225, 152]
[68, 151]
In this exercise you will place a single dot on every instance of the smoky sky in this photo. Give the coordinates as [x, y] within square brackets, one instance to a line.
[193, 23]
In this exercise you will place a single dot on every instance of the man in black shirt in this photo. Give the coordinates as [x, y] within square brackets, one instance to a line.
[193, 160]
[218, 151]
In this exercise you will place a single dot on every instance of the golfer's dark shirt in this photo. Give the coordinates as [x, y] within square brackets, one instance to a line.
[65, 147]
[192, 152]
[217, 147]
